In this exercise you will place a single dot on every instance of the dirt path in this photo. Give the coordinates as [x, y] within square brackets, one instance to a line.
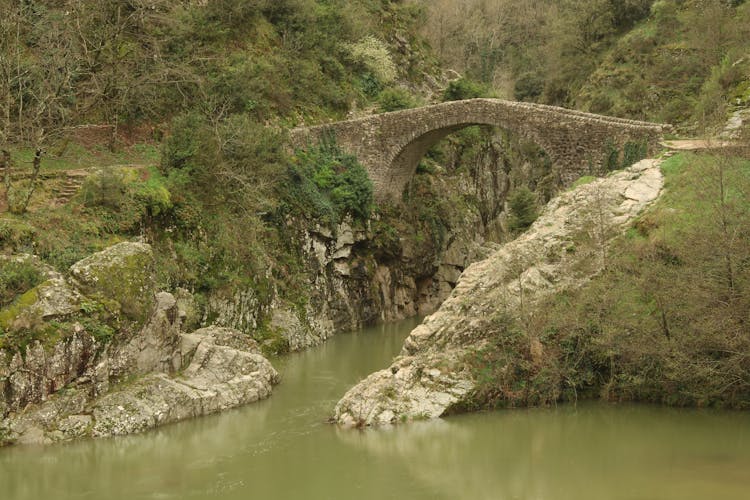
[699, 144]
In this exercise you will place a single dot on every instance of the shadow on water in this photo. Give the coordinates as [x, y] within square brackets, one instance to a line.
[282, 448]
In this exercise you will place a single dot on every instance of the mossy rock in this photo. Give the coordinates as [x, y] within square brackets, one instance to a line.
[18, 309]
[43, 295]
[53, 298]
[123, 273]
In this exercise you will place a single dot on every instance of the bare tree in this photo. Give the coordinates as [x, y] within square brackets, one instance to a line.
[38, 87]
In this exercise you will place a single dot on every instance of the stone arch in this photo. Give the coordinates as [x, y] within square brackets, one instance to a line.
[404, 159]
[390, 145]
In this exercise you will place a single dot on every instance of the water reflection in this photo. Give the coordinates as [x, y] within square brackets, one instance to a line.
[593, 451]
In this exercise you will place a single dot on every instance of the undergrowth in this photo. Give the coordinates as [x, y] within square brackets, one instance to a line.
[665, 321]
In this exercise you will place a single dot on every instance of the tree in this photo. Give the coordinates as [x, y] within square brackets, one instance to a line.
[523, 209]
[37, 91]
[464, 89]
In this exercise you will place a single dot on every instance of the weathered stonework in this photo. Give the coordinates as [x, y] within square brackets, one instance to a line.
[390, 145]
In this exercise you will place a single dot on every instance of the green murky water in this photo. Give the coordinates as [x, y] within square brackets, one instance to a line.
[283, 449]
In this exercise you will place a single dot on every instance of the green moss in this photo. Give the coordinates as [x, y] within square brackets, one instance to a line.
[582, 181]
[9, 314]
[127, 280]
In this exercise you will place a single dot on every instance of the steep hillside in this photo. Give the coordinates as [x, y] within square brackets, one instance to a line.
[687, 64]
[684, 62]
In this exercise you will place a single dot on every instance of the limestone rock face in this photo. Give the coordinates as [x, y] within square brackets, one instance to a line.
[240, 309]
[562, 249]
[297, 333]
[336, 270]
[32, 378]
[123, 273]
[154, 347]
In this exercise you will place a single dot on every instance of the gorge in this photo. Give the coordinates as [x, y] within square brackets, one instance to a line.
[374, 249]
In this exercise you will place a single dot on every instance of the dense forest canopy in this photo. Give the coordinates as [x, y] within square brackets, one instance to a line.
[64, 63]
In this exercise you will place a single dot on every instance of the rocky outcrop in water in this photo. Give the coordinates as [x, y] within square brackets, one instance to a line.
[564, 248]
[101, 354]
[221, 369]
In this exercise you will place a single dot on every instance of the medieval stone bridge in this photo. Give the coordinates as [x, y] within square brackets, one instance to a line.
[390, 145]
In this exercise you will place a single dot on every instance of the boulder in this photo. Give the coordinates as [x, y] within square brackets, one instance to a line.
[224, 369]
[123, 273]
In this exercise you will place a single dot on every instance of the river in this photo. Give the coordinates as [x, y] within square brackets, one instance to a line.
[282, 448]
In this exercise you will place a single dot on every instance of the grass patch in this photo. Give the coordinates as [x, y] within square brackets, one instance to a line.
[582, 181]
[672, 166]
[75, 156]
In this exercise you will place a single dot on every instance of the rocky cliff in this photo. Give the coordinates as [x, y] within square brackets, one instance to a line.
[404, 262]
[563, 249]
